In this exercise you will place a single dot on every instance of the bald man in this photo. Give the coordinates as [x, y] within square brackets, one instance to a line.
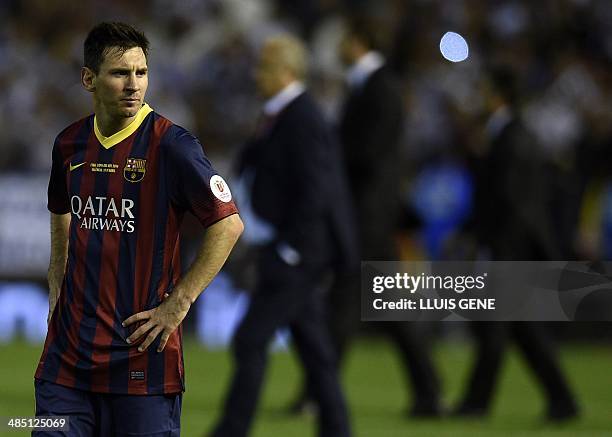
[299, 191]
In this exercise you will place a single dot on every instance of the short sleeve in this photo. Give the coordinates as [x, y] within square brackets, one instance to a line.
[194, 185]
[57, 193]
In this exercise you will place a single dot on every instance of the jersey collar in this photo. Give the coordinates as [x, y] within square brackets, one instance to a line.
[117, 137]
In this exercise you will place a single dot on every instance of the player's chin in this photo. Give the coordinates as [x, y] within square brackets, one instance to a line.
[128, 112]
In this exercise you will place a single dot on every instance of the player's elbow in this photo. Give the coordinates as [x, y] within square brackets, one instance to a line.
[234, 226]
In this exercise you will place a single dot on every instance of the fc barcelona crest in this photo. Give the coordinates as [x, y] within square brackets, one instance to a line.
[135, 169]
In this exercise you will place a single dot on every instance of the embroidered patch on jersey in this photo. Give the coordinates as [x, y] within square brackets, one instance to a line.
[220, 189]
[137, 375]
[135, 169]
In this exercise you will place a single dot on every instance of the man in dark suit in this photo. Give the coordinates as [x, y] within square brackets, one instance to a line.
[514, 221]
[298, 189]
[371, 127]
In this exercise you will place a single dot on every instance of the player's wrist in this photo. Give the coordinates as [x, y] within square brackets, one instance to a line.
[183, 300]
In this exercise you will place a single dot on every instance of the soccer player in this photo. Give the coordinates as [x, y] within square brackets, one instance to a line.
[121, 181]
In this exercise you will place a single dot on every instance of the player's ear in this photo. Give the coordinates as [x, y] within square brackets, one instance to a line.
[88, 79]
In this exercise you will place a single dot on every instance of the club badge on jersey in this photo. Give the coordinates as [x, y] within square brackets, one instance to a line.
[135, 169]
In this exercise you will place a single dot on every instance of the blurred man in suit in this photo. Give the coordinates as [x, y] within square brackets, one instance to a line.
[298, 189]
[371, 128]
[513, 220]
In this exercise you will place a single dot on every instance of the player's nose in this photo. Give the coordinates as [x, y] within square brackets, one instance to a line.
[132, 83]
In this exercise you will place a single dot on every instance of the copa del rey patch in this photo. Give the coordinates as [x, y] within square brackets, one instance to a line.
[220, 189]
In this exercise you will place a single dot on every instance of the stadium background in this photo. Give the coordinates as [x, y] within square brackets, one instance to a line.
[200, 76]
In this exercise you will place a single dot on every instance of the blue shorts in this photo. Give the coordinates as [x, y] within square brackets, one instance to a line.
[101, 415]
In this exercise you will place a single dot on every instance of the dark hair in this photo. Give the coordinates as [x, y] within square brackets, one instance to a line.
[505, 82]
[106, 35]
[367, 30]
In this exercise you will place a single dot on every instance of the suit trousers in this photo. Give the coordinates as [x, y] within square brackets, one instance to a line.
[537, 348]
[285, 296]
[345, 321]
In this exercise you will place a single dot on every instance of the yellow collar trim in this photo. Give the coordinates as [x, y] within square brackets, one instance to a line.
[117, 137]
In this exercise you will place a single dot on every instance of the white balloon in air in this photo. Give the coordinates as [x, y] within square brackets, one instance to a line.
[454, 47]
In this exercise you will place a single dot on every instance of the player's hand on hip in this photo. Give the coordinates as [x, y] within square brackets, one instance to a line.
[161, 320]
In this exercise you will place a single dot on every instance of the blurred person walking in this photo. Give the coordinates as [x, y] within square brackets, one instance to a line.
[513, 220]
[371, 127]
[298, 189]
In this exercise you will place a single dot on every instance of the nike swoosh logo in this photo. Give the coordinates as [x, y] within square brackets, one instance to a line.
[74, 167]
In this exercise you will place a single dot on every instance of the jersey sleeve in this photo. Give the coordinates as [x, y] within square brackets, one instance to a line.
[195, 186]
[57, 194]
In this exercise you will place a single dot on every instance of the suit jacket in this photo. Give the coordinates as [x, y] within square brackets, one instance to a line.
[513, 198]
[300, 186]
[371, 128]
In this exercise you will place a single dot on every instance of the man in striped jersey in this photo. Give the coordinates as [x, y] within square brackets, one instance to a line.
[121, 181]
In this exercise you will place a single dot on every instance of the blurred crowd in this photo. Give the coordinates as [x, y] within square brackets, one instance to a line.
[201, 62]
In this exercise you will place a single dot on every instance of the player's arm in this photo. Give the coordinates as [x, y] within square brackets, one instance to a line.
[216, 246]
[60, 225]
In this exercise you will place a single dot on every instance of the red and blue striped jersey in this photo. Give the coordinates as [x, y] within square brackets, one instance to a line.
[127, 195]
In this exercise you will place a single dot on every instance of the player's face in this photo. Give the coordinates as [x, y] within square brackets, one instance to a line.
[121, 83]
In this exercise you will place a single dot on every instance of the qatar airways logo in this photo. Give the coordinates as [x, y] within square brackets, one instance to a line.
[104, 214]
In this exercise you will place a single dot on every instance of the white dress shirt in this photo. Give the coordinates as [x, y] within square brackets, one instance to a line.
[280, 100]
[361, 70]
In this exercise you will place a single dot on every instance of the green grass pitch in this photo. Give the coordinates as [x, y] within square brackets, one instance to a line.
[375, 386]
